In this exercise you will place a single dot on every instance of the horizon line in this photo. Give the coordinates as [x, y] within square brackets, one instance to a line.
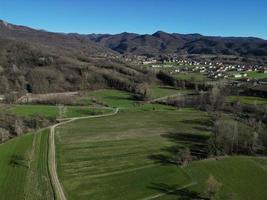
[137, 33]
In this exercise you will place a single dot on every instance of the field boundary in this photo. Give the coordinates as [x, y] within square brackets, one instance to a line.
[59, 192]
[123, 171]
[193, 182]
[171, 191]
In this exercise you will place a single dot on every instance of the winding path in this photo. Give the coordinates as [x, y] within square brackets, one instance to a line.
[58, 189]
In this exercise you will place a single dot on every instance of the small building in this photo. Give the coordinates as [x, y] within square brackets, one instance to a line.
[237, 75]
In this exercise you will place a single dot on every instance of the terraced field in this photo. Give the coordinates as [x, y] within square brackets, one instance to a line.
[124, 156]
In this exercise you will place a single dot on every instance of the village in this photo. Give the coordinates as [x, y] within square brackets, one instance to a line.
[212, 70]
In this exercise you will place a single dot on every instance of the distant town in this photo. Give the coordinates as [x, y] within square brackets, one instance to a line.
[212, 70]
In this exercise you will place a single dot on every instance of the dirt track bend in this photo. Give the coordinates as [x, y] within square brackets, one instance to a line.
[59, 192]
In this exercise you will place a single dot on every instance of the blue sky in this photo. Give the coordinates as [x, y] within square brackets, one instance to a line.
[208, 17]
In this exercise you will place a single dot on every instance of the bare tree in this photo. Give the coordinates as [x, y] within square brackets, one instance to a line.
[183, 157]
[4, 134]
[62, 110]
[212, 187]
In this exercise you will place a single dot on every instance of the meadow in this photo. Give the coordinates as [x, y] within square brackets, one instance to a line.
[109, 97]
[131, 155]
[50, 111]
[257, 75]
[127, 155]
[248, 100]
[24, 172]
[158, 91]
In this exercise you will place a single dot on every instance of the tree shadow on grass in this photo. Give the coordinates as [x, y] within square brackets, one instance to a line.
[201, 121]
[182, 194]
[18, 161]
[130, 98]
[196, 143]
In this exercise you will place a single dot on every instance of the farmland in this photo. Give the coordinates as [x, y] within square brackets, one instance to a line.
[257, 75]
[24, 172]
[248, 100]
[130, 155]
[158, 91]
[241, 176]
[109, 97]
[130, 146]
[53, 111]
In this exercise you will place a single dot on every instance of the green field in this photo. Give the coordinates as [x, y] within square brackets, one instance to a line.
[109, 97]
[130, 155]
[121, 157]
[241, 176]
[257, 75]
[191, 76]
[158, 91]
[248, 100]
[23, 166]
[53, 111]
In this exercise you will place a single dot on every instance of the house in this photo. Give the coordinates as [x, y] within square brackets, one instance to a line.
[149, 62]
[237, 75]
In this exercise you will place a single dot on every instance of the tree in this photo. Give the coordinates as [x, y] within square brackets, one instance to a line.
[217, 98]
[183, 157]
[4, 134]
[18, 127]
[61, 110]
[143, 91]
[212, 187]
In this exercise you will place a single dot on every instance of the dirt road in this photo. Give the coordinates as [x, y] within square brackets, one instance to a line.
[58, 189]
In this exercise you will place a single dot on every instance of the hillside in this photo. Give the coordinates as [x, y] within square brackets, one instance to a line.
[162, 43]
[38, 61]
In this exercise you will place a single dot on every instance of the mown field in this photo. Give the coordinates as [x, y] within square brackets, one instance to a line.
[158, 91]
[124, 156]
[130, 155]
[23, 166]
[241, 177]
[109, 97]
[53, 111]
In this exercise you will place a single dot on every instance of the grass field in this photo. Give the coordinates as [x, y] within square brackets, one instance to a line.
[191, 76]
[123, 157]
[53, 111]
[129, 156]
[23, 167]
[248, 100]
[109, 97]
[241, 176]
[158, 91]
[257, 75]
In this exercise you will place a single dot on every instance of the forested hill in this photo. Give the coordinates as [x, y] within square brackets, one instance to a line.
[38, 61]
[161, 43]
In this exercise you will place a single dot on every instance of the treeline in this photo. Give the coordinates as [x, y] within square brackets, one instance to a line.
[236, 128]
[12, 125]
[184, 84]
[34, 68]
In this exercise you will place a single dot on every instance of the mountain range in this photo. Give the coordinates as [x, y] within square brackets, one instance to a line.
[41, 61]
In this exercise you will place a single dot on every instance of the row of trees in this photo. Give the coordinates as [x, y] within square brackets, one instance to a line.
[12, 125]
